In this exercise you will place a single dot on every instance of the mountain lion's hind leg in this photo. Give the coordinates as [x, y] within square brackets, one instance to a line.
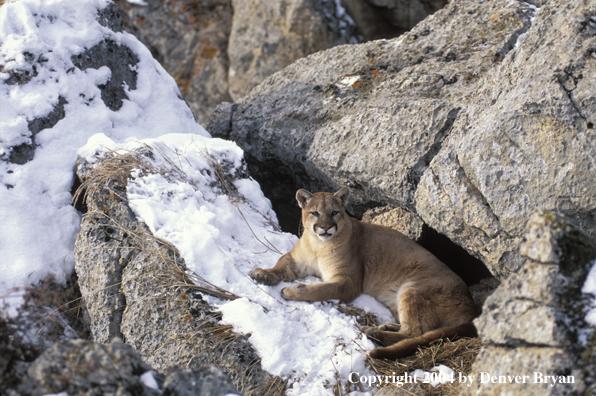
[384, 337]
[415, 317]
[383, 333]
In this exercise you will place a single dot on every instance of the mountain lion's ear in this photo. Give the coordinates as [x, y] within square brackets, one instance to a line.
[302, 196]
[343, 195]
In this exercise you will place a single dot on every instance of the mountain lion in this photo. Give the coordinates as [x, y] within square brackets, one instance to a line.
[351, 257]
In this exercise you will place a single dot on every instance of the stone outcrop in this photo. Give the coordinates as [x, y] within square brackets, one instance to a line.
[134, 286]
[86, 368]
[535, 321]
[397, 218]
[478, 115]
[527, 142]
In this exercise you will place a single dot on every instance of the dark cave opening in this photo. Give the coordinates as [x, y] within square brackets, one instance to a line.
[468, 267]
[279, 185]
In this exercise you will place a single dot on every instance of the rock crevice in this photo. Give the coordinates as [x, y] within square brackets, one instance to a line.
[540, 312]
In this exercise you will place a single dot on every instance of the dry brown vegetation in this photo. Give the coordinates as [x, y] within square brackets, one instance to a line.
[458, 355]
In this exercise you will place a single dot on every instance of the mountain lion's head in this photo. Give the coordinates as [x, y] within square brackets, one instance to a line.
[323, 214]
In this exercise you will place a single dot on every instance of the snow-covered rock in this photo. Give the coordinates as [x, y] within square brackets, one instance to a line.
[194, 194]
[65, 76]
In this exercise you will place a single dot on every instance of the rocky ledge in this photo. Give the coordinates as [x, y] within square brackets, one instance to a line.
[480, 114]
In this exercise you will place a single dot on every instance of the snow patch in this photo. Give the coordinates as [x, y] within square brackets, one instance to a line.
[589, 287]
[149, 380]
[534, 10]
[438, 375]
[138, 2]
[348, 81]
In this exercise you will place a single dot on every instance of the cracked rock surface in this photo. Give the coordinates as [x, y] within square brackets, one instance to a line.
[480, 114]
[190, 40]
[535, 321]
[527, 143]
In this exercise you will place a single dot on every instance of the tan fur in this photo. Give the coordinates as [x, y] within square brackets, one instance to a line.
[351, 257]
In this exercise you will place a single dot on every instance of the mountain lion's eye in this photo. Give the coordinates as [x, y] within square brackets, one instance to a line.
[316, 214]
[334, 213]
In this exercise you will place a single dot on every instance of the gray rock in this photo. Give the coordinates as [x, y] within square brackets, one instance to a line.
[24, 153]
[190, 40]
[217, 51]
[482, 290]
[87, 368]
[334, 118]
[533, 363]
[120, 60]
[527, 143]
[15, 355]
[107, 245]
[111, 17]
[204, 381]
[535, 321]
[80, 367]
[399, 219]
[134, 286]
[470, 121]
[267, 36]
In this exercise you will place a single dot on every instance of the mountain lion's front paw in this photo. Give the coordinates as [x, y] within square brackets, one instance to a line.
[293, 292]
[264, 276]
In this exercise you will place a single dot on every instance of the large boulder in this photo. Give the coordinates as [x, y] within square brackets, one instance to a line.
[84, 367]
[527, 142]
[481, 113]
[219, 50]
[535, 324]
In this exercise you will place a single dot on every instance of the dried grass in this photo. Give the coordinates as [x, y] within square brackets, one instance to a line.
[363, 318]
[275, 387]
[113, 175]
[458, 355]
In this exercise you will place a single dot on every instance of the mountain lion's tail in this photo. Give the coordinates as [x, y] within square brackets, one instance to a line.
[408, 346]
